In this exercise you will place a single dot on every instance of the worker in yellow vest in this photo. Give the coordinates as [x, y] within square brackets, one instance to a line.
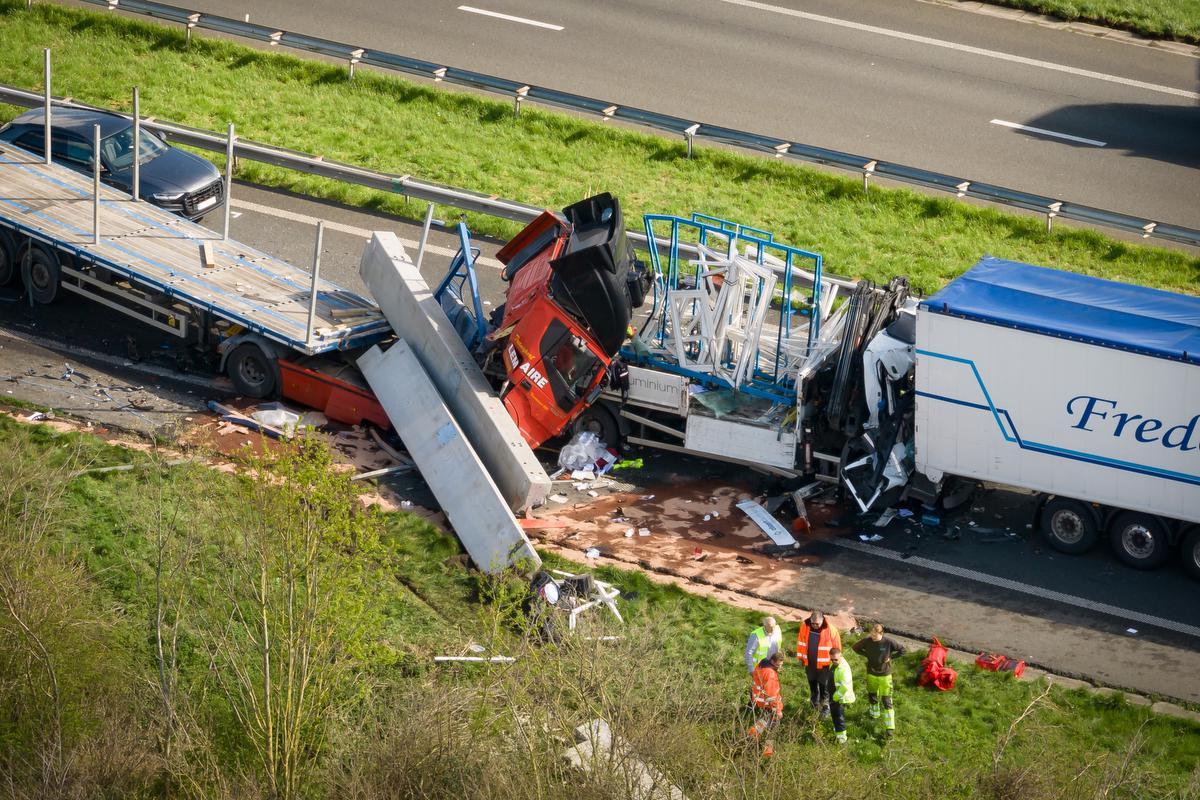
[843, 693]
[763, 642]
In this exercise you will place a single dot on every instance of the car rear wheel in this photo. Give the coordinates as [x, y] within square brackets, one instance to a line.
[1140, 540]
[1069, 526]
[253, 373]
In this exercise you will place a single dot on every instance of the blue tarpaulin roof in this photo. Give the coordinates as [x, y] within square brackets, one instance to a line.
[1073, 306]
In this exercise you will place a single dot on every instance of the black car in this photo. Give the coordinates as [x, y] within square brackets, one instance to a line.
[173, 179]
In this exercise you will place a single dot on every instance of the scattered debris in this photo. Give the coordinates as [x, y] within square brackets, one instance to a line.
[875, 537]
[887, 516]
[475, 659]
[376, 473]
[767, 523]
[557, 498]
[230, 415]
[597, 750]
[1131, 631]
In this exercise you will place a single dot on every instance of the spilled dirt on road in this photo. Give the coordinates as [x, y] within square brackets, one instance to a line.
[663, 529]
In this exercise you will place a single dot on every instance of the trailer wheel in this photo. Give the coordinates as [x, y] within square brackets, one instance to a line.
[253, 373]
[8, 259]
[1190, 550]
[1069, 526]
[1140, 540]
[40, 270]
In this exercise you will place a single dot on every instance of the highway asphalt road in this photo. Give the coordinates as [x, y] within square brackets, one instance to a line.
[906, 81]
[95, 342]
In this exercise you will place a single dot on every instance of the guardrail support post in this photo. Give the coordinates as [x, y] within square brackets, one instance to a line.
[316, 277]
[137, 146]
[1051, 213]
[95, 184]
[228, 181]
[191, 23]
[354, 59]
[518, 97]
[689, 133]
[424, 235]
[868, 170]
[46, 113]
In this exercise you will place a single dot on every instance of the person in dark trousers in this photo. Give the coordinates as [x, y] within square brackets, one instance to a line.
[879, 651]
[843, 694]
[816, 641]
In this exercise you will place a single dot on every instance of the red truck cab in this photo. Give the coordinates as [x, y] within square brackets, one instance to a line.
[573, 285]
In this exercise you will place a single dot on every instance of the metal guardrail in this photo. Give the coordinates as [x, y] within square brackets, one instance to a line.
[521, 92]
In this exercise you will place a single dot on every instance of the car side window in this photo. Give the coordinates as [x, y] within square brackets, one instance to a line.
[32, 141]
[71, 149]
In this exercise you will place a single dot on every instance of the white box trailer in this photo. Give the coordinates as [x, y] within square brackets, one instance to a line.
[1083, 390]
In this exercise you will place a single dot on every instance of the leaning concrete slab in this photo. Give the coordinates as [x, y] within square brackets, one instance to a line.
[409, 305]
[479, 514]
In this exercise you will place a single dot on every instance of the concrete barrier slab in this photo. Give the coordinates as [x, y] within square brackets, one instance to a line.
[478, 512]
[408, 303]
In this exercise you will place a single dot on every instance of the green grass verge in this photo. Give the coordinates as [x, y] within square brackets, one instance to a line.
[1158, 19]
[417, 603]
[542, 158]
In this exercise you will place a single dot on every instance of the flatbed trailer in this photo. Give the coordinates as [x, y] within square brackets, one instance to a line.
[175, 275]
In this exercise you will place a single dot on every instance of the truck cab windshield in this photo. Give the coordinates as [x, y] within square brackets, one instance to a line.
[568, 364]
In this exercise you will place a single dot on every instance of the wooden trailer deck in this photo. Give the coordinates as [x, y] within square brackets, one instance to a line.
[162, 251]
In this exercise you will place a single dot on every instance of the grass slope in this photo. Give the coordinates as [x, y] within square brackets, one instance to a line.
[542, 158]
[682, 669]
[1159, 19]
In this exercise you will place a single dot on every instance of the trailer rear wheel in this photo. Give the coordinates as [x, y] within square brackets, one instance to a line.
[1069, 526]
[8, 259]
[1140, 540]
[1190, 550]
[40, 271]
[253, 373]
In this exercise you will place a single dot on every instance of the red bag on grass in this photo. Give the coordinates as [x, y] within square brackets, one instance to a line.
[998, 663]
[934, 671]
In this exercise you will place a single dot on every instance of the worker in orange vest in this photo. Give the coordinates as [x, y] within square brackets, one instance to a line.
[816, 641]
[767, 699]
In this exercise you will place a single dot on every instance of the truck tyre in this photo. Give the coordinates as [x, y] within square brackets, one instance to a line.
[1069, 526]
[8, 259]
[600, 421]
[41, 272]
[1190, 550]
[253, 373]
[1140, 540]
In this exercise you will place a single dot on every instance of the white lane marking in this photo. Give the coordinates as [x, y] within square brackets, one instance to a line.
[354, 231]
[965, 48]
[1024, 588]
[1044, 132]
[510, 18]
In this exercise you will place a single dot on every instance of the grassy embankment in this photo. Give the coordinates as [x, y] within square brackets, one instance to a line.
[542, 158]
[1159, 19]
[136, 606]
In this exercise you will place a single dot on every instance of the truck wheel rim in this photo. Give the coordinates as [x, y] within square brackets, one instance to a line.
[1067, 527]
[40, 273]
[251, 373]
[1196, 554]
[1138, 541]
